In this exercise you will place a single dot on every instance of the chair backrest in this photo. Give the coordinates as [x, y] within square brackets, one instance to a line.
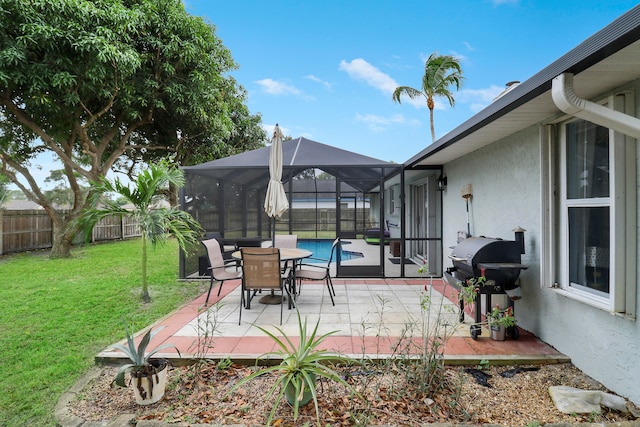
[285, 240]
[214, 252]
[249, 242]
[334, 247]
[261, 268]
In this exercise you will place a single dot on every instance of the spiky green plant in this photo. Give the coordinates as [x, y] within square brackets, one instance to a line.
[301, 365]
[140, 358]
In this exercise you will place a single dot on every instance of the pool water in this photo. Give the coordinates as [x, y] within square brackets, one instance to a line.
[321, 248]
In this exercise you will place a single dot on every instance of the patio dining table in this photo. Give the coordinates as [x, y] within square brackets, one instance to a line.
[286, 255]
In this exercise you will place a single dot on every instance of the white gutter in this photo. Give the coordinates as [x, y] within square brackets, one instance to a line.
[566, 100]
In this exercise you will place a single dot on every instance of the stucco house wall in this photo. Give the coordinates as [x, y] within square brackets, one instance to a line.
[507, 193]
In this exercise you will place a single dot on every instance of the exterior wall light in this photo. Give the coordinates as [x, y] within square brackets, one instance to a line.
[441, 182]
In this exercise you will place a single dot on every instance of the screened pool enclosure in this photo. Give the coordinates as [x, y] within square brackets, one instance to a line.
[331, 192]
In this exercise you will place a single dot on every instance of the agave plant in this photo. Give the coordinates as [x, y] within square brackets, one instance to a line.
[301, 365]
[141, 365]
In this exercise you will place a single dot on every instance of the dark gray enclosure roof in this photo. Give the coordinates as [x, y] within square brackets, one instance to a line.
[252, 167]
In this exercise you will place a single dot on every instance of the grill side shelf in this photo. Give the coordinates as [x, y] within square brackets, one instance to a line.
[502, 266]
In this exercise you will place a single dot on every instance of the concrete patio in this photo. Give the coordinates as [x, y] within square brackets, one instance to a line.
[369, 317]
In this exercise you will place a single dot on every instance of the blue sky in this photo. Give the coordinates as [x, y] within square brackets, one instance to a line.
[325, 70]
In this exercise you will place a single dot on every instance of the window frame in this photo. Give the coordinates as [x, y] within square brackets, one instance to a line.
[392, 199]
[621, 299]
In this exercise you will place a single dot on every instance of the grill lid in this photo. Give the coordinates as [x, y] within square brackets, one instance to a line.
[476, 250]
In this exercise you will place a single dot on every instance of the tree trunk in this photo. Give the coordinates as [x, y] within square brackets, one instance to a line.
[173, 194]
[63, 234]
[433, 129]
[145, 289]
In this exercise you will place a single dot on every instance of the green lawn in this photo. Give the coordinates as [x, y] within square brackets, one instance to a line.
[57, 314]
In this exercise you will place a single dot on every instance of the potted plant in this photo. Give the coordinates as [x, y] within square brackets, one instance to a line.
[301, 365]
[499, 320]
[470, 289]
[149, 375]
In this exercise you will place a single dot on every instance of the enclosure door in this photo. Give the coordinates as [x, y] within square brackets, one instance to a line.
[424, 240]
[371, 263]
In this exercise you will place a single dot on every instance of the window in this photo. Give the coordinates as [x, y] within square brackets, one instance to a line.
[587, 206]
[595, 210]
[392, 200]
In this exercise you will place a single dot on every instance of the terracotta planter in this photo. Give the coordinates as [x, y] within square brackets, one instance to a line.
[150, 389]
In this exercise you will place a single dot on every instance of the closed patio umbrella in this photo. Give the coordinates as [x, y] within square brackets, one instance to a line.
[275, 201]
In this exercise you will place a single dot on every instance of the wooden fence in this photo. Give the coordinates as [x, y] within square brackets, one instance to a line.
[27, 230]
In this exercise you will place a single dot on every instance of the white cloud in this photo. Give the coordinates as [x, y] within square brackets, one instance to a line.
[273, 87]
[468, 46]
[269, 129]
[478, 98]
[317, 80]
[379, 123]
[460, 57]
[359, 69]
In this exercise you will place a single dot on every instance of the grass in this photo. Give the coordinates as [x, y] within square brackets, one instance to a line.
[57, 314]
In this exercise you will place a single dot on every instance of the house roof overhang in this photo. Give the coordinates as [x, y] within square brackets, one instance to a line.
[607, 60]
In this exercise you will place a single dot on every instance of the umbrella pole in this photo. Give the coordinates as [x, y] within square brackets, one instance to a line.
[273, 244]
[273, 233]
[271, 298]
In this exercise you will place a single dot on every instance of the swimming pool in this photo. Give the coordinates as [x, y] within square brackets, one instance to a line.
[321, 248]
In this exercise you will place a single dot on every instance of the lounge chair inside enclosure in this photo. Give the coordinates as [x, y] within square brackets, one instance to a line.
[261, 271]
[372, 235]
[308, 271]
[218, 266]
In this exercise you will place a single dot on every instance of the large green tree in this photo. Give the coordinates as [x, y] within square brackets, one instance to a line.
[107, 84]
[441, 73]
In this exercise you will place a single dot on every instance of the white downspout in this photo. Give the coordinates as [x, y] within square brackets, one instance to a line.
[566, 100]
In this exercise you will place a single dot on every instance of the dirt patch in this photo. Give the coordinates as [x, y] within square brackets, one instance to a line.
[389, 397]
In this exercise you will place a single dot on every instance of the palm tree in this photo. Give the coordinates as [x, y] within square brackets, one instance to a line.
[156, 223]
[440, 73]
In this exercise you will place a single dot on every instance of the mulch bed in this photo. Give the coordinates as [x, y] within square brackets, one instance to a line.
[390, 396]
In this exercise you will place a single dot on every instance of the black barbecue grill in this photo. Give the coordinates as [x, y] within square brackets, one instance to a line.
[495, 259]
